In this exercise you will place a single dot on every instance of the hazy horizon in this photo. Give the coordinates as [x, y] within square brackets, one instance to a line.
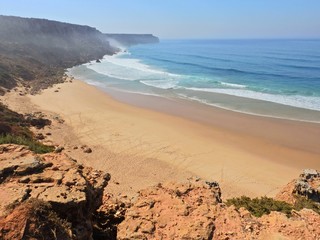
[247, 19]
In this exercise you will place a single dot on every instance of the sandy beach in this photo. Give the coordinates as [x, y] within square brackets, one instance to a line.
[155, 140]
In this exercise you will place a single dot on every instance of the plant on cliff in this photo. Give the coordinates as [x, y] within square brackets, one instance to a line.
[302, 202]
[35, 219]
[14, 129]
[33, 145]
[264, 205]
[260, 206]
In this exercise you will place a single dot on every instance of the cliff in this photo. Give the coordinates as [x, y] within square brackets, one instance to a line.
[35, 52]
[127, 40]
[193, 210]
[52, 195]
[47, 195]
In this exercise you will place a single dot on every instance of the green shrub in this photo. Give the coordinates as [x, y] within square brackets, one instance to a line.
[302, 202]
[14, 129]
[260, 206]
[33, 145]
[264, 205]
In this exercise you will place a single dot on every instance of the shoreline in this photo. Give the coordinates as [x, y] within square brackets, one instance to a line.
[257, 106]
[205, 114]
[247, 155]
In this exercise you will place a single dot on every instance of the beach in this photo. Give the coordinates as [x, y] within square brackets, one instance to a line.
[154, 140]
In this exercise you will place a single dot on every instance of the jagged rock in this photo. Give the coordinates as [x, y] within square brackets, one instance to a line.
[34, 219]
[172, 211]
[73, 191]
[310, 173]
[307, 185]
[193, 210]
[109, 215]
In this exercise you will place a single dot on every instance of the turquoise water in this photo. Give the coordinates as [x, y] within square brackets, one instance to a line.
[285, 72]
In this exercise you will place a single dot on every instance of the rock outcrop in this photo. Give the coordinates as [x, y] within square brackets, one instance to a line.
[241, 225]
[51, 196]
[73, 192]
[307, 185]
[193, 210]
[172, 211]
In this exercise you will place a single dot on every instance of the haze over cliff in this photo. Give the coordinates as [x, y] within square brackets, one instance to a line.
[127, 40]
[35, 52]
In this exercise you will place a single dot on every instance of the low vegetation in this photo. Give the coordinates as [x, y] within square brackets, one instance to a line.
[33, 145]
[14, 128]
[42, 221]
[264, 205]
[260, 206]
[302, 202]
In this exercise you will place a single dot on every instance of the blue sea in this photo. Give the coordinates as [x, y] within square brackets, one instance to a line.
[279, 78]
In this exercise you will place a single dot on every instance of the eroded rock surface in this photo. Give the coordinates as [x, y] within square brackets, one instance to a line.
[74, 192]
[307, 185]
[193, 210]
[51, 196]
[172, 211]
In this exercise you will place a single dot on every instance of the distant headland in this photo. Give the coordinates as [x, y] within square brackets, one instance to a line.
[35, 52]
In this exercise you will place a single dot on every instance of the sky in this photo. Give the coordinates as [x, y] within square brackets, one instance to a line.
[181, 18]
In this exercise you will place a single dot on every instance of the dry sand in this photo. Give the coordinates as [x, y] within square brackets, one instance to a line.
[247, 155]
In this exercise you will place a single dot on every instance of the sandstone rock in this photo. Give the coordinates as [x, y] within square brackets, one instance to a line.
[74, 192]
[34, 219]
[276, 225]
[307, 185]
[169, 211]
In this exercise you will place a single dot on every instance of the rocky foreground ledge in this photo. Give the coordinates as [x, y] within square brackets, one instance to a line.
[51, 196]
[193, 210]
[47, 196]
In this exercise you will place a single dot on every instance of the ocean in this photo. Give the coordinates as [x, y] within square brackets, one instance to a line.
[277, 78]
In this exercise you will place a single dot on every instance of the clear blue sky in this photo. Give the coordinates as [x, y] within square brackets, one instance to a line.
[181, 18]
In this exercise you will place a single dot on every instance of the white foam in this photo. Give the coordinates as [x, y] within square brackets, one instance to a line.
[127, 69]
[233, 85]
[242, 111]
[311, 103]
[163, 84]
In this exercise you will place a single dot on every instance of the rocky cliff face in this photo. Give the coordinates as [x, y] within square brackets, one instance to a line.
[47, 195]
[51, 42]
[193, 210]
[35, 52]
[127, 40]
[51, 196]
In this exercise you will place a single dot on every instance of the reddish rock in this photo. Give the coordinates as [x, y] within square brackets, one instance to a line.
[172, 211]
[74, 192]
